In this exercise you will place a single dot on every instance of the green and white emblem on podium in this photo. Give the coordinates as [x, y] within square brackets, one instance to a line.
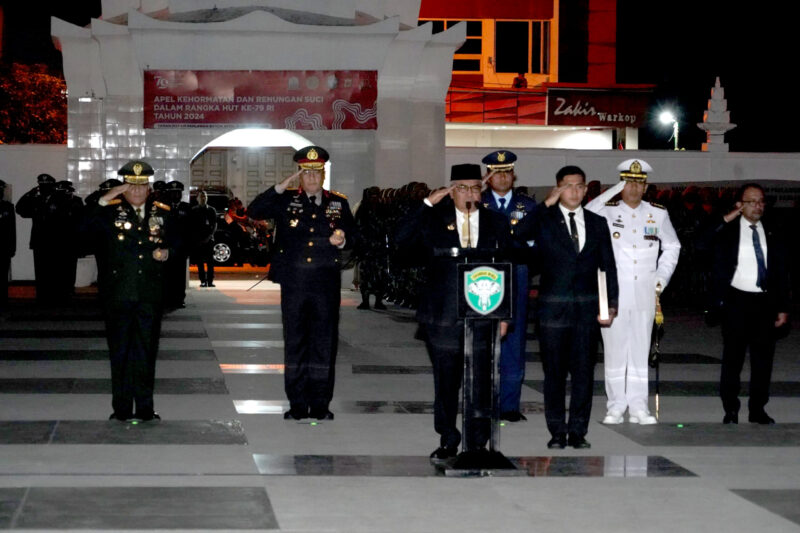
[484, 288]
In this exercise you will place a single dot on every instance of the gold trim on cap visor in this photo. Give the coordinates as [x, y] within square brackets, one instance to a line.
[501, 168]
[136, 180]
[312, 165]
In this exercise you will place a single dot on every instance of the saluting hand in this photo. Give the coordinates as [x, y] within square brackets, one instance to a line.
[488, 176]
[436, 196]
[735, 213]
[114, 192]
[555, 194]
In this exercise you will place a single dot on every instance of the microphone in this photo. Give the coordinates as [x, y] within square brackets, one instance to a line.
[468, 205]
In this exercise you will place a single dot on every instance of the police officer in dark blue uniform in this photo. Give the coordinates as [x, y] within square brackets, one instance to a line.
[8, 242]
[313, 226]
[500, 197]
[129, 233]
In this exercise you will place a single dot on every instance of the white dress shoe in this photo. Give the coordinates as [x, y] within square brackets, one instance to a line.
[613, 417]
[643, 418]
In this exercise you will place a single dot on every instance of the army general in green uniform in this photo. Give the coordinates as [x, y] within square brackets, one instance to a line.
[129, 233]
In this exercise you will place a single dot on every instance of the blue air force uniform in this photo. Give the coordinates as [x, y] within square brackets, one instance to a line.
[519, 210]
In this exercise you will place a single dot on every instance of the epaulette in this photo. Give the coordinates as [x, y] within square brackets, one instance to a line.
[114, 201]
[337, 193]
[613, 203]
[658, 206]
[161, 205]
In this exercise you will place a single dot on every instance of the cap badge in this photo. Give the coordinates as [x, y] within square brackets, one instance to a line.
[501, 156]
[137, 169]
[312, 155]
[636, 167]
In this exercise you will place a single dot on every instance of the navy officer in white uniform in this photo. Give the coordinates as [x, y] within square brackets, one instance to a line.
[646, 250]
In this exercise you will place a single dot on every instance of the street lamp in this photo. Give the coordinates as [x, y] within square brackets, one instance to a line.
[667, 117]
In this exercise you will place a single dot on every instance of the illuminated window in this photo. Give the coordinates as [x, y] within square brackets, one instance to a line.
[468, 57]
[522, 46]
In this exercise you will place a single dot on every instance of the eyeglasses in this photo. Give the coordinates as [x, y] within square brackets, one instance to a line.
[466, 188]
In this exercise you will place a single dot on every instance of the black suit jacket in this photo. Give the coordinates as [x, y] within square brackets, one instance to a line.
[723, 239]
[431, 228]
[569, 277]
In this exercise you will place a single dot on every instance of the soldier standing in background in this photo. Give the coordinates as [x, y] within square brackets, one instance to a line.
[67, 213]
[91, 200]
[177, 265]
[8, 242]
[203, 224]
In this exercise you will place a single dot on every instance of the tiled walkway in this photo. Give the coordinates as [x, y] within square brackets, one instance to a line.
[223, 458]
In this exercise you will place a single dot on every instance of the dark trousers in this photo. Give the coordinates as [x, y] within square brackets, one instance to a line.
[55, 272]
[567, 346]
[175, 282]
[5, 262]
[311, 337]
[202, 256]
[132, 331]
[512, 349]
[747, 321]
[445, 346]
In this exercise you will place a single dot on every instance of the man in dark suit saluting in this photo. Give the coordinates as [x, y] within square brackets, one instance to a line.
[452, 218]
[750, 292]
[573, 244]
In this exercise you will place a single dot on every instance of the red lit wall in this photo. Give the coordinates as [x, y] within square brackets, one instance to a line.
[487, 9]
[602, 49]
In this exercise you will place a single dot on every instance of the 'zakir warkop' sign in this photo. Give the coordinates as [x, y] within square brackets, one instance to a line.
[593, 108]
[287, 99]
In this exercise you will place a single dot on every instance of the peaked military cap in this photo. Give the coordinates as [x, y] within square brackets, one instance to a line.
[311, 157]
[45, 178]
[136, 172]
[175, 186]
[634, 170]
[159, 185]
[109, 184]
[65, 186]
[466, 171]
[501, 160]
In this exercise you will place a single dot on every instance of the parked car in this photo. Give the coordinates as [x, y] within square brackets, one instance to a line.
[238, 239]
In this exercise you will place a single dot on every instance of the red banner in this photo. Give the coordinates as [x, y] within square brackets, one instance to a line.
[287, 99]
[610, 109]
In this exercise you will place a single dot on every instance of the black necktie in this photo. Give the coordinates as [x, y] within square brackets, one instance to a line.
[573, 230]
[313, 199]
[761, 282]
[502, 204]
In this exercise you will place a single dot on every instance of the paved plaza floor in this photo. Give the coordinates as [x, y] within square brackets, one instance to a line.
[223, 458]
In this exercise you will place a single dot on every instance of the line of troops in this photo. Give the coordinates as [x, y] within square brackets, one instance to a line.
[134, 235]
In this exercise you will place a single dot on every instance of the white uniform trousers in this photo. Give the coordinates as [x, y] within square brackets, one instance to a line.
[626, 350]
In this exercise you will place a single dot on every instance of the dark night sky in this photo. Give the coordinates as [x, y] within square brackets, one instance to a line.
[680, 46]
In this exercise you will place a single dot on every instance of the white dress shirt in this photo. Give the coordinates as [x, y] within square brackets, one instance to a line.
[579, 221]
[746, 275]
[473, 227]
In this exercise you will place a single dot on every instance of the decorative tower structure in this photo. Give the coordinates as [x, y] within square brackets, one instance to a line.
[716, 121]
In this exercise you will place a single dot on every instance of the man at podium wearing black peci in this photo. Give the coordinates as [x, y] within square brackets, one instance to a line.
[452, 218]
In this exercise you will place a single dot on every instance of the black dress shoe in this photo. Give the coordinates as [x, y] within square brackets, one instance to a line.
[579, 443]
[731, 417]
[295, 413]
[364, 306]
[321, 414]
[513, 416]
[121, 418]
[443, 453]
[211, 284]
[379, 306]
[147, 417]
[760, 418]
[204, 284]
[558, 442]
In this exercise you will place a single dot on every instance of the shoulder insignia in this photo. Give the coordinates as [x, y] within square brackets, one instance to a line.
[659, 206]
[613, 203]
[163, 206]
[337, 193]
[114, 201]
